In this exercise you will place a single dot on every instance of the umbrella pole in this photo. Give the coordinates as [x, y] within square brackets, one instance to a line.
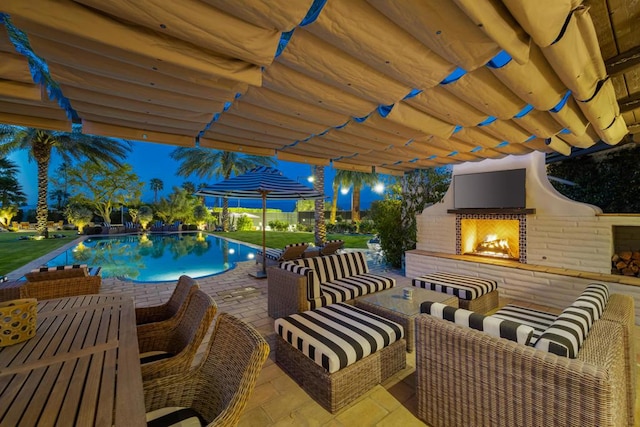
[264, 235]
[263, 274]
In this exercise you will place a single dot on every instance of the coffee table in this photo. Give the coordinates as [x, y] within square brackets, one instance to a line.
[392, 305]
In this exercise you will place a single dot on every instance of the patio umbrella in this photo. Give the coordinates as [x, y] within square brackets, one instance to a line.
[261, 183]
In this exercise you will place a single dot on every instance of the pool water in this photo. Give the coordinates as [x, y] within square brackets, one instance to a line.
[157, 257]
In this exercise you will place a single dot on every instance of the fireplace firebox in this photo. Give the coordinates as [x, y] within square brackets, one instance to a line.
[492, 235]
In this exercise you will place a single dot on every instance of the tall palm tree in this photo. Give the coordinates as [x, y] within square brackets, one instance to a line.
[206, 163]
[318, 185]
[73, 145]
[358, 180]
[156, 185]
[10, 189]
[334, 201]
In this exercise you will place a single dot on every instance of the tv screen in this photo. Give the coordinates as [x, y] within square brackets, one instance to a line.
[500, 190]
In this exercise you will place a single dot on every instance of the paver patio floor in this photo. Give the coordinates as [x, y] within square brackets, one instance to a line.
[277, 400]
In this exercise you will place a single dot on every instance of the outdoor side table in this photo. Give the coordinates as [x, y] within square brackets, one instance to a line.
[392, 305]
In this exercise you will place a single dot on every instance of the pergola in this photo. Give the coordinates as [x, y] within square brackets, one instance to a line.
[362, 85]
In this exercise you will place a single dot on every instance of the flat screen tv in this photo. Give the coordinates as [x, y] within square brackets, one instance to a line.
[498, 190]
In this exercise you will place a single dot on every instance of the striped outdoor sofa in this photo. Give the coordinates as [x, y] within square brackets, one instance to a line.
[310, 283]
[338, 352]
[274, 256]
[474, 293]
[525, 367]
[61, 281]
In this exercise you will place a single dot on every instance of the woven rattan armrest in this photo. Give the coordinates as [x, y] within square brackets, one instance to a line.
[287, 292]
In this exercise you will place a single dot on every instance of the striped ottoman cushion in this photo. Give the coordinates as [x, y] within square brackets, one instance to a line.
[464, 287]
[538, 320]
[491, 325]
[337, 335]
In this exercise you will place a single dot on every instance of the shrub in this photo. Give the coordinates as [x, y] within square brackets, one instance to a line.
[367, 226]
[278, 225]
[386, 216]
[304, 227]
[244, 223]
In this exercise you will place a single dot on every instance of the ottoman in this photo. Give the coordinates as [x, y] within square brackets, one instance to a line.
[474, 293]
[338, 352]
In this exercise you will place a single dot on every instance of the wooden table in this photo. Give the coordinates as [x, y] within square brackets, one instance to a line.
[82, 368]
[391, 305]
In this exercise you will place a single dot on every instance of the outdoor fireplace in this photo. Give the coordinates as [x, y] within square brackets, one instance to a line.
[492, 235]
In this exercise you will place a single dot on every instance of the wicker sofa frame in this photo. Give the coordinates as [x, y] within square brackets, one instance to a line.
[60, 283]
[466, 377]
[288, 293]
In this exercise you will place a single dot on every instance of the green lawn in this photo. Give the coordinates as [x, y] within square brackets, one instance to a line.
[15, 253]
[278, 239]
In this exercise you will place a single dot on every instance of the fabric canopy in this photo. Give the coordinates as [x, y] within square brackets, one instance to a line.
[261, 183]
[360, 84]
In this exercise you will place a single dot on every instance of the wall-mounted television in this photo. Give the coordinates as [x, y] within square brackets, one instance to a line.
[498, 190]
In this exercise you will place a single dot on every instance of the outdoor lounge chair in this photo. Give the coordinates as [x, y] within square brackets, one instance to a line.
[292, 251]
[331, 247]
[173, 308]
[217, 390]
[169, 347]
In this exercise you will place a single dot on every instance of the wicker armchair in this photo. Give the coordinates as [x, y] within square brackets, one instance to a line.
[173, 307]
[52, 283]
[217, 389]
[172, 346]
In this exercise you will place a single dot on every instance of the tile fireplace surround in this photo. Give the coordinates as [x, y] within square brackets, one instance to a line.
[563, 245]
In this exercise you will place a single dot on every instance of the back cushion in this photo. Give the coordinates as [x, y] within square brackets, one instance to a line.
[337, 266]
[595, 296]
[567, 333]
[490, 325]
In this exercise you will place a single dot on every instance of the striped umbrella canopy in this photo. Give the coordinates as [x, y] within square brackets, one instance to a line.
[261, 183]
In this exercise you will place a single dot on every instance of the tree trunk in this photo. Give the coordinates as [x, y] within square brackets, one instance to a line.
[320, 226]
[41, 148]
[225, 214]
[355, 204]
[334, 203]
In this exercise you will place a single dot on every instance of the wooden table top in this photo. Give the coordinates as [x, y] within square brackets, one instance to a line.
[82, 367]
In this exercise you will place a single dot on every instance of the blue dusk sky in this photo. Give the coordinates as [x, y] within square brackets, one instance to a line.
[152, 160]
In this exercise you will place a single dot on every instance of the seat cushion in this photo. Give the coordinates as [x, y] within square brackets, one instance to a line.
[490, 325]
[464, 287]
[337, 335]
[356, 286]
[176, 417]
[538, 320]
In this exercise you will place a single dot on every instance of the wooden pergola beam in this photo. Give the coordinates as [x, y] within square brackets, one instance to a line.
[629, 103]
[624, 62]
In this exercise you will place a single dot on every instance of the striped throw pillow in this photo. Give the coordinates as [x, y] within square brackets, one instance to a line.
[567, 333]
[595, 296]
[494, 326]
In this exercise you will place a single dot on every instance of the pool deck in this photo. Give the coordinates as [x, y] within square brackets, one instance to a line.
[277, 400]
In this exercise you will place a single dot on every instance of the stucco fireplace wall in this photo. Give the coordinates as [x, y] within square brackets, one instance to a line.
[569, 244]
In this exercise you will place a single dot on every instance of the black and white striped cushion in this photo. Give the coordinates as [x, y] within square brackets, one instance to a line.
[58, 268]
[313, 284]
[175, 416]
[494, 326]
[464, 287]
[337, 335]
[567, 333]
[595, 296]
[538, 320]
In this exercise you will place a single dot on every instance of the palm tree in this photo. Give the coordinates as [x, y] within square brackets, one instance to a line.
[156, 185]
[208, 163]
[70, 146]
[10, 189]
[318, 185]
[334, 201]
[358, 180]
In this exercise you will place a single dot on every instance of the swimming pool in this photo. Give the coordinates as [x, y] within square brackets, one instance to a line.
[157, 257]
